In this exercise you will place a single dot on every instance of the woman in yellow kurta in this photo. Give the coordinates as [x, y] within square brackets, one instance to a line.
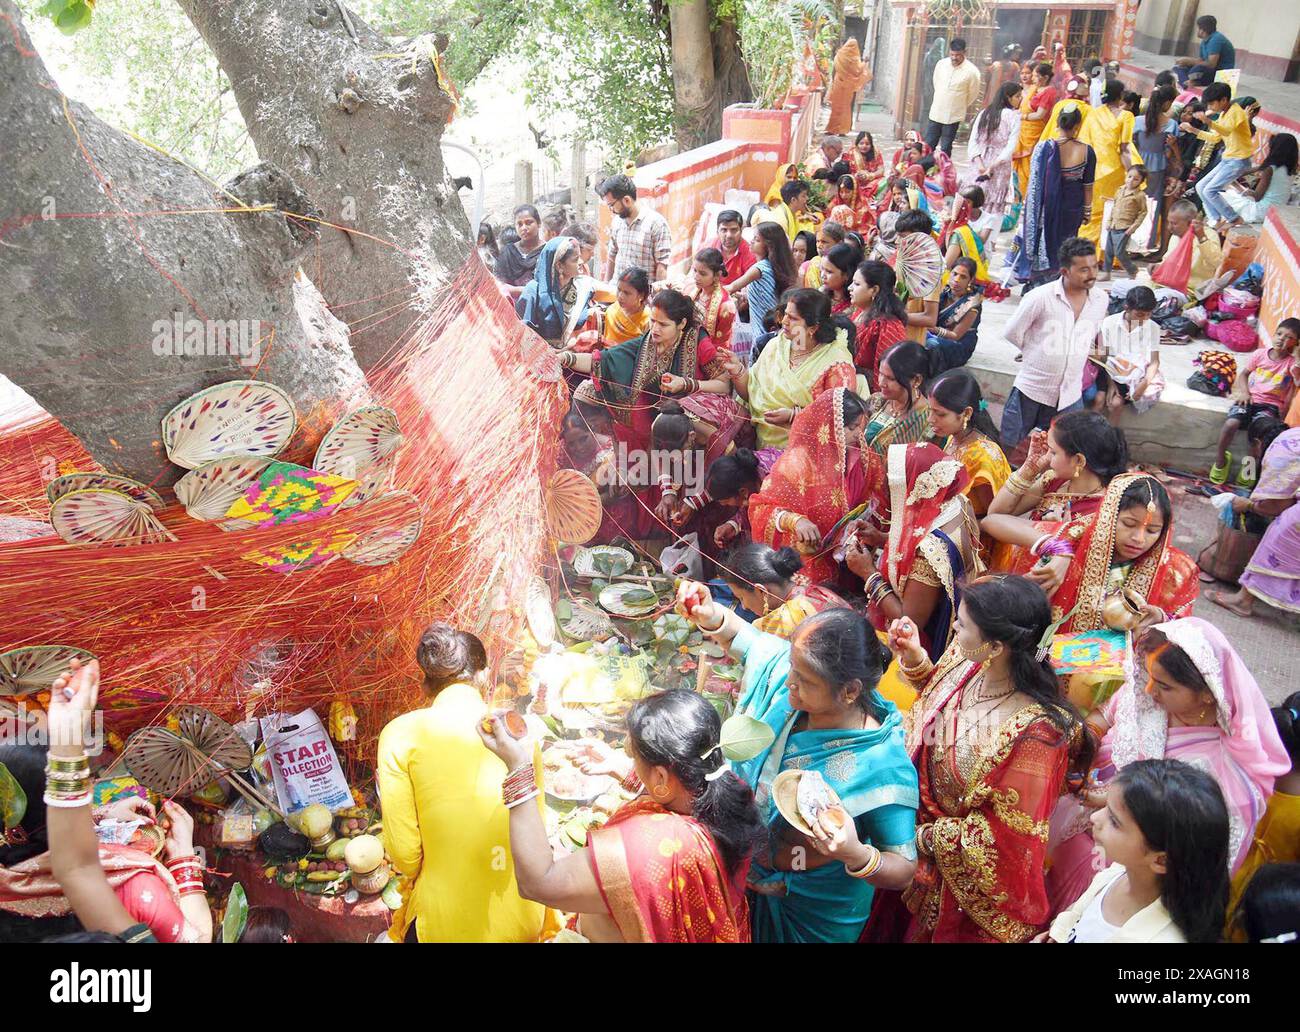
[1108, 129]
[445, 829]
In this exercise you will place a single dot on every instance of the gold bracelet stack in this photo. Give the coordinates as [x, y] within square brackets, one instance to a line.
[67, 781]
[786, 521]
[877, 588]
[870, 868]
[1017, 484]
[918, 673]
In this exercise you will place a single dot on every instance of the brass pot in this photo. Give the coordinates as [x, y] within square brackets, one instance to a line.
[1122, 610]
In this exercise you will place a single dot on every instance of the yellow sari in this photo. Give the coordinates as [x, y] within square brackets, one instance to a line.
[774, 385]
[1030, 132]
[1052, 126]
[1106, 132]
[773, 195]
[984, 461]
[621, 327]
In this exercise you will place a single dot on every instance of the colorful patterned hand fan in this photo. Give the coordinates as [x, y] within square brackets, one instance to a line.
[373, 481]
[60, 486]
[387, 543]
[34, 668]
[99, 516]
[573, 510]
[285, 493]
[300, 555]
[202, 747]
[289, 494]
[209, 491]
[240, 417]
[918, 264]
[359, 441]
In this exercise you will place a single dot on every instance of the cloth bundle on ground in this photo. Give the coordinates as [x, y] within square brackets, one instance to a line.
[1217, 372]
[1235, 333]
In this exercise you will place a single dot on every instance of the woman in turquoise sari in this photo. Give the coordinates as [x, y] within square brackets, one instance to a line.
[817, 694]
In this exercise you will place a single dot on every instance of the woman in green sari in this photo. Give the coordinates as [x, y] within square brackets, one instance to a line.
[899, 412]
[817, 694]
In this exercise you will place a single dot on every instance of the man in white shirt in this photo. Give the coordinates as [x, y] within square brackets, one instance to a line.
[957, 86]
[1054, 328]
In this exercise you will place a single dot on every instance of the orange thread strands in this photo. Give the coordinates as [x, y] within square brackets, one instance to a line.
[479, 401]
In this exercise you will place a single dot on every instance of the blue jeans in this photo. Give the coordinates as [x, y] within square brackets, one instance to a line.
[1211, 186]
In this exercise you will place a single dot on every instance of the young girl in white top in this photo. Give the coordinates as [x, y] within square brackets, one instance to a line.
[1128, 356]
[1164, 833]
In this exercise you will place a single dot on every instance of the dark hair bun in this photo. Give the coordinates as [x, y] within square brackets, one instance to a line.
[787, 562]
[746, 458]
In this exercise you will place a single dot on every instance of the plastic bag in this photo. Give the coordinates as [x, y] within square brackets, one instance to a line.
[1176, 269]
[1239, 247]
[1198, 315]
[303, 763]
[1238, 303]
[682, 558]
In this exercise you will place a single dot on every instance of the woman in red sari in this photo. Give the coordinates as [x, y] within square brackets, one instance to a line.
[878, 315]
[992, 740]
[838, 266]
[1063, 477]
[1125, 545]
[717, 311]
[868, 166]
[672, 358]
[656, 872]
[824, 473]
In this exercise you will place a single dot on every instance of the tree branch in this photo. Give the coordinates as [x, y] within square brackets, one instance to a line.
[109, 246]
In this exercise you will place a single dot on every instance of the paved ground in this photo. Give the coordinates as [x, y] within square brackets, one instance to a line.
[1270, 641]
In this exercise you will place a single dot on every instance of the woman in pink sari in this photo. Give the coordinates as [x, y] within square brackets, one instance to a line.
[671, 865]
[1200, 705]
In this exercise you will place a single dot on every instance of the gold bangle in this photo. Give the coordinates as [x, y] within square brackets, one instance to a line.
[871, 867]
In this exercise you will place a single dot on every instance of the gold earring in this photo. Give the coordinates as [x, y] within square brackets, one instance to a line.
[965, 422]
[659, 792]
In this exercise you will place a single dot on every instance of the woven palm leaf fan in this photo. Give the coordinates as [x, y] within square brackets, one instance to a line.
[202, 748]
[359, 440]
[209, 491]
[60, 486]
[538, 611]
[240, 417]
[918, 263]
[99, 516]
[385, 544]
[573, 510]
[34, 668]
[373, 481]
